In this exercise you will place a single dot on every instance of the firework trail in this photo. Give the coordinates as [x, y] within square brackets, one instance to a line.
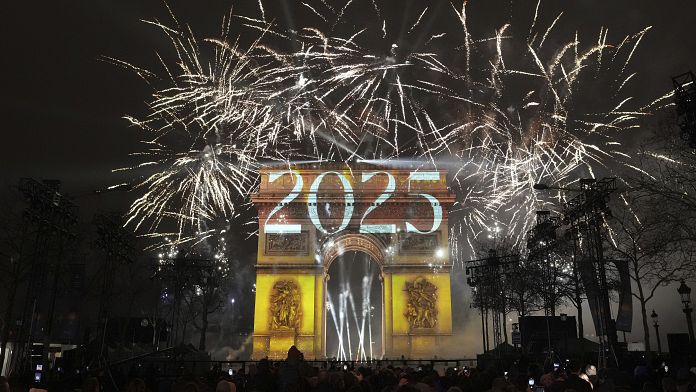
[499, 118]
[552, 114]
[212, 121]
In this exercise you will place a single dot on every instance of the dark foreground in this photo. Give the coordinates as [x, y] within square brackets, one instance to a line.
[296, 374]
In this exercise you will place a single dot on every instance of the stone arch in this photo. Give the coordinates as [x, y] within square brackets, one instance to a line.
[292, 247]
[347, 242]
[338, 245]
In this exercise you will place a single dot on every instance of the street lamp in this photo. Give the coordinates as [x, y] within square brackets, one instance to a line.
[685, 294]
[653, 316]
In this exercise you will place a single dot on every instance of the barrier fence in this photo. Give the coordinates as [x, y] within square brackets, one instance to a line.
[168, 368]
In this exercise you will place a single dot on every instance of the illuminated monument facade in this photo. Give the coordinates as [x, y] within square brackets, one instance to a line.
[310, 215]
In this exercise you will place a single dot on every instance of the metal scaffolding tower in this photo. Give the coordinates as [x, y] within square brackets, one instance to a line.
[586, 213]
[117, 244]
[487, 278]
[53, 217]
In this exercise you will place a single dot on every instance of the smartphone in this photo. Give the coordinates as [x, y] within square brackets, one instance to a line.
[345, 367]
[37, 377]
[531, 382]
[230, 372]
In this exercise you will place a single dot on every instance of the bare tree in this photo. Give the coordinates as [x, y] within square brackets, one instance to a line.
[523, 295]
[654, 227]
[668, 175]
[199, 279]
[572, 287]
[205, 299]
[656, 249]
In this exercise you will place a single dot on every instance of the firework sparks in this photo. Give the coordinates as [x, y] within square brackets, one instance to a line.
[548, 116]
[507, 120]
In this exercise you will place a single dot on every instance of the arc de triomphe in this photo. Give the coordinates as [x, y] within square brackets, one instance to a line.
[311, 214]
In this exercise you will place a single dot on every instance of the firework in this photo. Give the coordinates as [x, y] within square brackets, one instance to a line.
[548, 114]
[499, 118]
[212, 122]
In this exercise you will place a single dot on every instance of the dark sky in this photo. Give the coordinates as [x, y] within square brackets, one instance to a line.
[62, 106]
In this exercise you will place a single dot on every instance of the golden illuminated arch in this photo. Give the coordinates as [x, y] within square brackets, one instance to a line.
[366, 243]
[338, 245]
[302, 255]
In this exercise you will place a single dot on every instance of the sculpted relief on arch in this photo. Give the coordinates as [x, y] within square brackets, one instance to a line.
[369, 244]
[285, 306]
[421, 312]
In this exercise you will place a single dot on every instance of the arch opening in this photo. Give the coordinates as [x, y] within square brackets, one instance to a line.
[354, 307]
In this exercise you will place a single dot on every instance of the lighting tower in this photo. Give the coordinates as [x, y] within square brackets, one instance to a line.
[487, 277]
[117, 244]
[586, 212]
[55, 218]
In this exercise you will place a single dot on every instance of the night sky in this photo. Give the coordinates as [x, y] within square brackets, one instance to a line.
[63, 106]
